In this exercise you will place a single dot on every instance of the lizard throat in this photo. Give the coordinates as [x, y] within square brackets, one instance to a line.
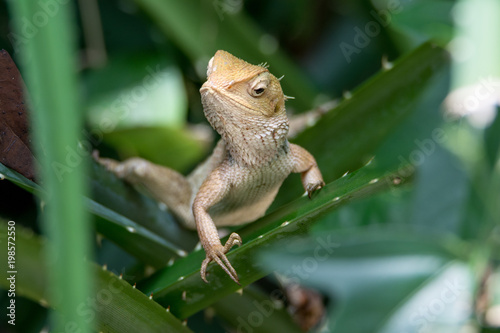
[256, 140]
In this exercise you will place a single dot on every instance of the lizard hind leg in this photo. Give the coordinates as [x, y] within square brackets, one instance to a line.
[163, 184]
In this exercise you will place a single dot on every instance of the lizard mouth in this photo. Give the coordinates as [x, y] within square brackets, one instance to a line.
[205, 90]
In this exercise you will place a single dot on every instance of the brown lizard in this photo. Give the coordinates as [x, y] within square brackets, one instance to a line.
[245, 104]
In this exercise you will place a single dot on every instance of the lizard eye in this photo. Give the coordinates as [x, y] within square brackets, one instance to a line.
[258, 89]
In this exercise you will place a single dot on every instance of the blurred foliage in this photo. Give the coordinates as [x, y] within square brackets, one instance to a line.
[414, 225]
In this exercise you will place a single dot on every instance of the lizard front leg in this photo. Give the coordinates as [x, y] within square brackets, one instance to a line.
[305, 164]
[212, 191]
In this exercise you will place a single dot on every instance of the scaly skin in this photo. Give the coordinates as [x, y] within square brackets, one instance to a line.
[244, 103]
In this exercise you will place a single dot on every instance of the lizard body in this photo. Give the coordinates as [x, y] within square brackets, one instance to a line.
[244, 103]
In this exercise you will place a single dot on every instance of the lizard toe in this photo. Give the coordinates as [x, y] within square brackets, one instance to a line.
[313, 187]
[234, 239]
[218, 255]
[203, 270]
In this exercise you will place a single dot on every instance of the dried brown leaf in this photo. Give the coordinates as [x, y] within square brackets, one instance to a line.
[15, 143]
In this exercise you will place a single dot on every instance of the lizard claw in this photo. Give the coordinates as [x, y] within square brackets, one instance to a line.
[107, 163]
[313, 187]
[218, 254]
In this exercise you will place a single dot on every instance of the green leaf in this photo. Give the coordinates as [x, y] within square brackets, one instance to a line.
[115, 305]
[350, 134]
[441, 193]
[255, 310]
[417, 22]
[139, 241]
[492, 141]
[55, 110]
[20, 180]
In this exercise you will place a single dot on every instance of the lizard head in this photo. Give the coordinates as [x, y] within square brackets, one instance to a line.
[234, 84]
[244, 103]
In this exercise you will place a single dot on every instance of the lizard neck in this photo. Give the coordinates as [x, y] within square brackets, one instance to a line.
[255, 140]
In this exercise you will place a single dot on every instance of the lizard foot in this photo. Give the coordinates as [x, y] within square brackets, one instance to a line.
[313, 187]
[218, 254]
[127, 169]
